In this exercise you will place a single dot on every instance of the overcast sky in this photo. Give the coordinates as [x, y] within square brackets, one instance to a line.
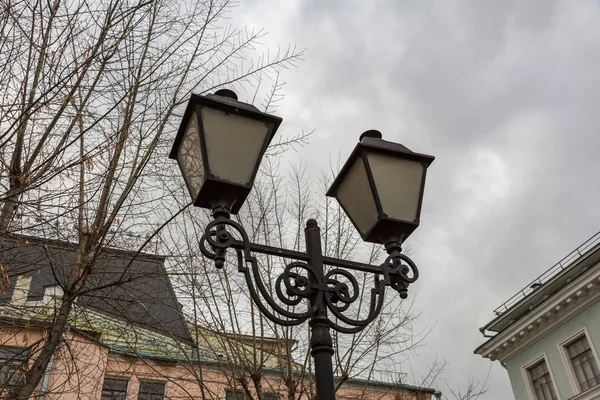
[505, 94]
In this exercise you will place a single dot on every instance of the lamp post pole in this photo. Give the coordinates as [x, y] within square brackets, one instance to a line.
[321, 344]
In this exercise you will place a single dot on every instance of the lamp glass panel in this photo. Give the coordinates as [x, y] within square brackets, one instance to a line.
[189, 156]
[355, 195]
[233, 144]
[398, 182]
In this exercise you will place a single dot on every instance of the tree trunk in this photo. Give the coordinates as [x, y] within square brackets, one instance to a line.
[35, 374]
[9, 209]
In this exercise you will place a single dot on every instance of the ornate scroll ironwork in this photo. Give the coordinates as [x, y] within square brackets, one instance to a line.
[334, 291]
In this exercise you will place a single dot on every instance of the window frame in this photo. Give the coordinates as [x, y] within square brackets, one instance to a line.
[18, 354]
[562, 347]
[527, 377]
[139, 387]
[117, 378]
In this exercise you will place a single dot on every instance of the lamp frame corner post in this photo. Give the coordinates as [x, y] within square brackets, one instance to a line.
[326, 292]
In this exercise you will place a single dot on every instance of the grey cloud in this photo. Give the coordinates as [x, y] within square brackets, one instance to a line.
[505, 94]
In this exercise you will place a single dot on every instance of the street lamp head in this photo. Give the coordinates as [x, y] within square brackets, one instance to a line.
[381, 187]
[219, 146]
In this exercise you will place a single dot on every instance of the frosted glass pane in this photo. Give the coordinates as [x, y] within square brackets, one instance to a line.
[539, 394]
[190, 157]
[580, 376]
[354, 194]
[547, 394]
[398, 184]
[587, 370]
[233, 144]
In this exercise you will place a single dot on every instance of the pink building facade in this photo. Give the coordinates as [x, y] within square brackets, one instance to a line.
[83, 368]
[102, 356]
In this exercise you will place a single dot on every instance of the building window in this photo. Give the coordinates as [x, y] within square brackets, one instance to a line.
[233, 394]
[114, 389]
[13, 365]
[151, 391]
[541, 381]
[584, 364]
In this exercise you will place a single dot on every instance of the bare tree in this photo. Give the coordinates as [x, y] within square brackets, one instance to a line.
[90, 93]
[472, 389]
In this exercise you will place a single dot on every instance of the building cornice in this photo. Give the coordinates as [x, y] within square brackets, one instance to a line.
[563, 305]
[546, 285]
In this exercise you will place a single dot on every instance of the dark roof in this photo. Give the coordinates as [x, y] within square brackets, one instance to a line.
[130, 286]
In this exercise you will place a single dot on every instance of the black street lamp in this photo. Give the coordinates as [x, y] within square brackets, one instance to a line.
[219, 146]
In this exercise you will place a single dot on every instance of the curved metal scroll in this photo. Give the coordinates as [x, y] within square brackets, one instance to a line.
[403, 271]
[336, 291]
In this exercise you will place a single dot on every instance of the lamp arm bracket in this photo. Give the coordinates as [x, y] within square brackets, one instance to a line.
[336, 290]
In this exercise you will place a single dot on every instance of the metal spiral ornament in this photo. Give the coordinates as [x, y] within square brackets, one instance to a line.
[403, 271]
[296, 287]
